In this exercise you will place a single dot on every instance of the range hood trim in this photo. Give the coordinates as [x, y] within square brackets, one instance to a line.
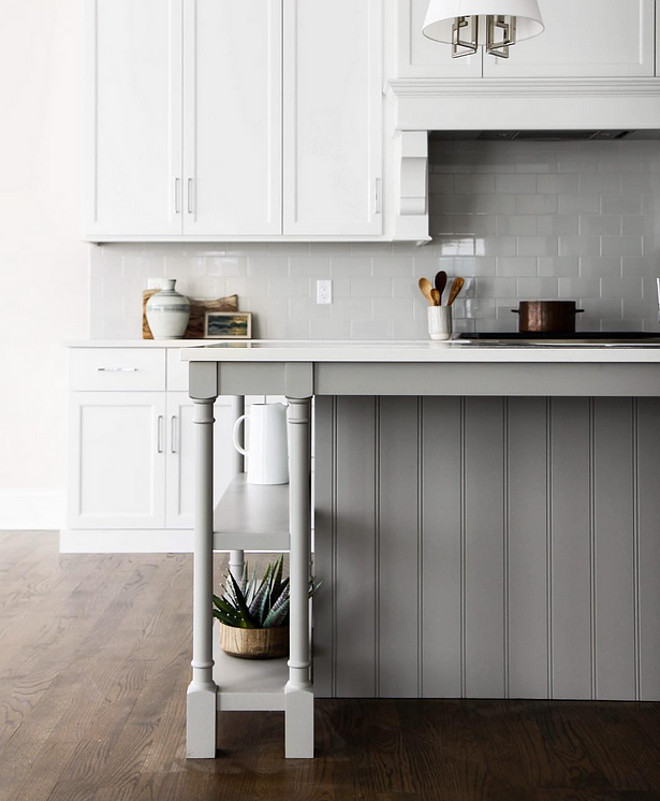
[435, 104]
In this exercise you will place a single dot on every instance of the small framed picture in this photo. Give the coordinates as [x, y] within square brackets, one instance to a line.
[228, 325]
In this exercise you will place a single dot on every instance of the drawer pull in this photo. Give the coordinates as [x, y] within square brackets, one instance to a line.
[173, 433]
[159, 432]
[117, 369]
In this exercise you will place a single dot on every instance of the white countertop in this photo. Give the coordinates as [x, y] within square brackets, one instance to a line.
[422, 351]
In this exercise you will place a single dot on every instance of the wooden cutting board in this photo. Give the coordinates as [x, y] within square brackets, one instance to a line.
[198, 309]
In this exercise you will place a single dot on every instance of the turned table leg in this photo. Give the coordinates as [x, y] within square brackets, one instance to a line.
[299, 704]
[202, 690]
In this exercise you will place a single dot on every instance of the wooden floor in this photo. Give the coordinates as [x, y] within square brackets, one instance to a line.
[94, 664]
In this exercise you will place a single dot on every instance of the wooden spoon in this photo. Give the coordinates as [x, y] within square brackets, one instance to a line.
[426, 287]
[440, 283]
[436, 297]
[456, 286]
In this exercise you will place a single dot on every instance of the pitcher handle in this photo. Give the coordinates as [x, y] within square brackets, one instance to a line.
[234, 435]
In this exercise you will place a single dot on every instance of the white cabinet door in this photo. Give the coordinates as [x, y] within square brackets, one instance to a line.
[584, 39]
[180, 463]
[232, 117]
[419, 57]
[332, 117]
[117, 453]
[132, 117]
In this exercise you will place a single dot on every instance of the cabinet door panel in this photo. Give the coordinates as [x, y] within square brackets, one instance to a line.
[332, 117]
[233, 118]
[584, 39]
[180, 491]
[117, 460]
[133, 117]
[419, 57]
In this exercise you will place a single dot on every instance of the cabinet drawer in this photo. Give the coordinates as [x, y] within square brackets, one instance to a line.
[133, 369]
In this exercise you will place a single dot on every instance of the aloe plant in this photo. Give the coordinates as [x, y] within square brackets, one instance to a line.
[253, 603]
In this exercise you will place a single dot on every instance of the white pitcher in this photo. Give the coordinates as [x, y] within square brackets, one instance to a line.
[267, 454]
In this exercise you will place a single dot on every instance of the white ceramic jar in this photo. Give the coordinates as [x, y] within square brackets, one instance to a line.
[168, 312]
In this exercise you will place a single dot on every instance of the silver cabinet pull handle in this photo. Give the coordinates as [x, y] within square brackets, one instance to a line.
[159, 433]
[117, 369]
[190, 184]
[173, 433]
[177, 195]
[377, 196]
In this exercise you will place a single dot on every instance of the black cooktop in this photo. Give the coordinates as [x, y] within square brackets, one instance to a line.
[615, 335]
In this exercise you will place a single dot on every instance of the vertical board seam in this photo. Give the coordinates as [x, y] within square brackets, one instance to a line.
[506, 546]
[463, 548]
[593, 622]
[334, 428]
[377, 485]
[550, 690]
[420, 547]
[637, 633]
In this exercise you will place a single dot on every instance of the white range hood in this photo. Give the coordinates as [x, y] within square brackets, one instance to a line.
[424, 104]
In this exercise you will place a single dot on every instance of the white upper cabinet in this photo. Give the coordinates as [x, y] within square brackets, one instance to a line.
[232, 117]
[332, 117]
[419, 57]
[582, 39]
[587, 38]
[188, 102]
[133, 117]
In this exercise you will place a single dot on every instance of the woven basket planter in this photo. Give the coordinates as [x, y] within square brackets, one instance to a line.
[255, 643]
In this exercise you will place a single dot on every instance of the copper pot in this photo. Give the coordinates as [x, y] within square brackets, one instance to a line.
[547, 316]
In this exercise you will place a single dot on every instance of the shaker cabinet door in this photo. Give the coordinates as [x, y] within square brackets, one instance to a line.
[133, 118]
[419, 57]
[232, 117]
[588, 38]
[332, 117]
[117, 453]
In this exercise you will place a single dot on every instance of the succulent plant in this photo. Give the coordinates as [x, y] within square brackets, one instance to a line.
[253, 603]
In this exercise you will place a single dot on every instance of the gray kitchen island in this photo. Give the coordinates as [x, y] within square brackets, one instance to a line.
[302, 370]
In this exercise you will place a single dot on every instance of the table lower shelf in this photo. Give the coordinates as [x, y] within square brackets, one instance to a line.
[252, 517]
[248, 684]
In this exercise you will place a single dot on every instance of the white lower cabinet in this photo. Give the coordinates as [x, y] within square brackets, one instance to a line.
[117, 460]
[131, 476]
[131, 459]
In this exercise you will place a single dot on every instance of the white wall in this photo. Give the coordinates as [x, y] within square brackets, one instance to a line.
[43, 263]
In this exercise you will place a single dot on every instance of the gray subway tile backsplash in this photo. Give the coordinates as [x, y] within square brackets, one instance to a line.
[520, 220]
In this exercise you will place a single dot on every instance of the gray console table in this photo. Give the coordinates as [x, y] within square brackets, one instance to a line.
[258, 519]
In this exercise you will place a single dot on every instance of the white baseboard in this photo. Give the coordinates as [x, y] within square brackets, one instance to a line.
[23, 510]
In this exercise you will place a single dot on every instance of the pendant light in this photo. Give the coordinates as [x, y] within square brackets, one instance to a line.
[465, 24]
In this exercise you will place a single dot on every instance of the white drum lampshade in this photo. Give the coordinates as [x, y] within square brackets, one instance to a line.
[449, 20]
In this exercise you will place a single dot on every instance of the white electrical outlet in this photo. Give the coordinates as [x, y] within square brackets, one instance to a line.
[324, 291]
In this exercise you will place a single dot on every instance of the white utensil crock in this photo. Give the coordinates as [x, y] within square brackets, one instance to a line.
[267, 454]
[439, 319]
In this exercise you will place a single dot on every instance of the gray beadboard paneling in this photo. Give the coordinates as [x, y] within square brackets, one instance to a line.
[484, 558]
[443, 541]
[614, 537]
[398, 548]
[325, 550]
[570, 513]
[526, 548]
[648, 553]
[356, 609]
[488, 547]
